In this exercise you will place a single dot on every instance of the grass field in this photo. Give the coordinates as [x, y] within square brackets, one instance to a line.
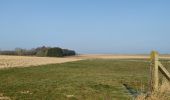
[81, 80]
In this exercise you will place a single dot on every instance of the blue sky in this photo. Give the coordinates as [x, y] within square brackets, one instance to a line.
[87, 26]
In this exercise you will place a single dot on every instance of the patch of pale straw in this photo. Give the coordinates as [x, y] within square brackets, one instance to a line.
[26, 61]
[163, 93]
[2, 97]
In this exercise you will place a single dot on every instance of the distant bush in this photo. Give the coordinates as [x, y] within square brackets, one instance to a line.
[24, 52]
[41, 52]
[8, 53]
[54, 52]
[30, 53]
[20, 51]
[67, 52]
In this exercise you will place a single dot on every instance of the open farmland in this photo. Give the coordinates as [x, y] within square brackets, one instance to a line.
[81, 80]
[89, 79]
[26, 61]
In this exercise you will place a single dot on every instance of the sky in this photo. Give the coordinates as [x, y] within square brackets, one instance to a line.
[86, 26]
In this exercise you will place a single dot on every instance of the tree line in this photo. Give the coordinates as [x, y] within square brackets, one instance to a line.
[40, 52]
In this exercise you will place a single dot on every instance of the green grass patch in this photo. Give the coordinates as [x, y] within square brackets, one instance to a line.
[81, 80]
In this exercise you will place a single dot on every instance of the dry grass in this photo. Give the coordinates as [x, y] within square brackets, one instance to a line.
[26, 61]
[162, 94]
[23, 61]
[2, 97]
[118, 56]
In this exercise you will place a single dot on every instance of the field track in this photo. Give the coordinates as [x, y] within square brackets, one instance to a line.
[26, 61]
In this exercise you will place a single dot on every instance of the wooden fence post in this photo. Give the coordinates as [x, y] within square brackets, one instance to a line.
[154, 80]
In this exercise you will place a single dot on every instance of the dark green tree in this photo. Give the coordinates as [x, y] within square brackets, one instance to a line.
[54, 52]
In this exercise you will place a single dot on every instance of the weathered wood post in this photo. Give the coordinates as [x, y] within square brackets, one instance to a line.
[154, 78]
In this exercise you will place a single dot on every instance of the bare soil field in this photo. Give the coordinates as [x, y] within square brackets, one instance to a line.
[26, 61]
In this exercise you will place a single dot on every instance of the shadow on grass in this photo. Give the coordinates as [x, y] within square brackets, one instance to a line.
[132, 91]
